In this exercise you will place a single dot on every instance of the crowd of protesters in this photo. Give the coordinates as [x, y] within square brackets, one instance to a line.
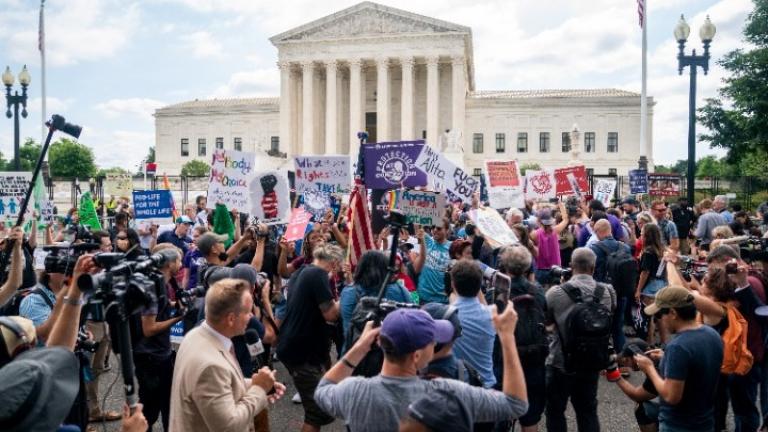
[674, 292]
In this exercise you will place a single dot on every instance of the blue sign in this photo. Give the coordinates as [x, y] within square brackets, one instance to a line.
[638, 181]
[177, 332]
[156, 204]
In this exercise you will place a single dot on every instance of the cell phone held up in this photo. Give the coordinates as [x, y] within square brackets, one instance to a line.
[501, 287]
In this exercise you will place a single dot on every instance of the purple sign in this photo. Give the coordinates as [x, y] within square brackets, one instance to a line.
[392, 165]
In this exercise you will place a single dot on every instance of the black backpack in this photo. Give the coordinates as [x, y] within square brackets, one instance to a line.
[531, 332]
[365, 310]
[12, 307]
[621, 270]
[587, 347]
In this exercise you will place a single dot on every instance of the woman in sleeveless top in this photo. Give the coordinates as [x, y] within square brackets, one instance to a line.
[547, 241]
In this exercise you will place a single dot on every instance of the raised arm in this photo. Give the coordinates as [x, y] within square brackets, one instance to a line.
[15, 275]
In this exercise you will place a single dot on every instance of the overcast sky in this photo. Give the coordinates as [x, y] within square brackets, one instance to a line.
[111, 63]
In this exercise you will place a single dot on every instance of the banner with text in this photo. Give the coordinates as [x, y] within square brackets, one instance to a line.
[419, 207]
[270, 197]
[444, 175]
[638, 181]
[493, 227]
[540, 185]
[118, 185]
[504, 187]
[153, 205]
[393, 165]
[297, 225]
[664, 184]
[329, 174]
[231, 172]
[604, 190]
[13, 189]
[571, 181]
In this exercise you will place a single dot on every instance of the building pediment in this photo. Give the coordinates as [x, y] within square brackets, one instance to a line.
[365, 20]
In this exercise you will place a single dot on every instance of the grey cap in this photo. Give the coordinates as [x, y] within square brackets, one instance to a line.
[207, 241]
[245, 272]
[442, 411]
[215, 274]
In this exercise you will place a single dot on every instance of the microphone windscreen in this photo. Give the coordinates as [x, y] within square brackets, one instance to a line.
[251, 336]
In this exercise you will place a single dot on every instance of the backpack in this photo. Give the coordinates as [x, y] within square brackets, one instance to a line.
[587, 347]
[365, 310]
[736, 356]
[530, 333]
[621, 270]
[12, 307]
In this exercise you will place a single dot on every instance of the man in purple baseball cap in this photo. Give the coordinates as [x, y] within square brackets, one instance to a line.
[407, 338]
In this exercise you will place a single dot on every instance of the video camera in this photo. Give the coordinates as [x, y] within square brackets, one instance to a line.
[691, 268]
[754, 249]
[63, 257]
[560, 274]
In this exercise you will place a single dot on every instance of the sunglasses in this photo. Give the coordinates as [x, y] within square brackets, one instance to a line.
[122, 238]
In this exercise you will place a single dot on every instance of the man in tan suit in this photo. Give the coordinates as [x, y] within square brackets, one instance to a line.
[209, 391]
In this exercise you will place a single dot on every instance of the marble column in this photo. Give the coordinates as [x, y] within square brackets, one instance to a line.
[287, 136]
[406, 99]
[355, 107]
[331, 122]
[307, 102]
[433, 102]
[382, 99]
[459, 96]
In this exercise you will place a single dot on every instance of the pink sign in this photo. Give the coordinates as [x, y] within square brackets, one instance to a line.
[298, 224]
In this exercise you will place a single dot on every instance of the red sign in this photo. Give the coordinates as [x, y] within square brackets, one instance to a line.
[566, 178]
[502, 173]
[151, 168]
[298, 224]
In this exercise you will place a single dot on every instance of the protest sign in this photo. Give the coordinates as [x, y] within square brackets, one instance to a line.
[664, 184]
[540, 185]
[13, 189]
[419, 207]
[153, 205]
[329, 174]
[604, 190]
[270, 198]
[393, 165]
[504, 187]
[119, 185]
[46, 212]
[445, 175]
[316, 202]
[297, 225]
[638, 181]
[231, 172]
[493, 227]
[177, 333]
[571, 181]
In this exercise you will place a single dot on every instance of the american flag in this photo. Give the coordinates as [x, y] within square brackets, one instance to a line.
[641, 12]
[359, 216]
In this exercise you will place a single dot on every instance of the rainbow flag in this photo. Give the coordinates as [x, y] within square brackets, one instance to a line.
[167, 186]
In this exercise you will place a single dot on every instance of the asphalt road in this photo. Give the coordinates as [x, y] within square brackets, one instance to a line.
[616, 411]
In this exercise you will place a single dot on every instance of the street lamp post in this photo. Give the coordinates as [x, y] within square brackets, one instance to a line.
[707, 33]
[14, 100]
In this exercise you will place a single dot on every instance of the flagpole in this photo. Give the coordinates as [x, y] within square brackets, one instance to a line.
[643, 163]
[41, 46]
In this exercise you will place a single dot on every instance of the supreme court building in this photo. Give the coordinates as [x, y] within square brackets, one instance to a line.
[400, 76]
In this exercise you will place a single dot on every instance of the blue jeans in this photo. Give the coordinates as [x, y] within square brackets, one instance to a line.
[618, 323]
[742, 393]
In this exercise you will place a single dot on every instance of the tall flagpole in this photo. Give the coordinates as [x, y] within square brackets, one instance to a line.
[643, 163]
[41, 46]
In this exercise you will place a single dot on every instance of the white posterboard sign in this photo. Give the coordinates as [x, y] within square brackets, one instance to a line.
[270, 197]
[604, 189]
[540, 185]
[493, 227]
[505, 189]
[444, 175]
[231, 173]
[327, 174]
[13, 189]
[119, 185]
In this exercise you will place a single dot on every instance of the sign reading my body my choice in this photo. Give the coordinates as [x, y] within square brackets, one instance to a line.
[154, 205]
[231, 172]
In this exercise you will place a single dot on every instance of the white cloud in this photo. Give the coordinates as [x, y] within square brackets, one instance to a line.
[76, 31]
[256, 83]
[139, 107]
[121, 148]
[203, 45]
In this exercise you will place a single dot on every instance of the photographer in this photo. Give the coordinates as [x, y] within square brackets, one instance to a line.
[152, 354]
[647, 411]
[14, 280]
[408, 339]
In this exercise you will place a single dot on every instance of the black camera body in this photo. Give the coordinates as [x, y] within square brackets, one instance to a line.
[690, 268]
[62, 258]
[560, 273]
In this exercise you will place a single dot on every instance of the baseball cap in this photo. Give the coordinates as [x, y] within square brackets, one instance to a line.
[245, 272]
[441, 311]
[207, 241]
[670, 297]
[442, 410]
[16, 335]
[409, 330]
[631, 201]
[184, 220]
[545, 217]
[216, 274]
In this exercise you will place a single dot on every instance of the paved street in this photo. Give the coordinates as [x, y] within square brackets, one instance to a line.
[616, 410]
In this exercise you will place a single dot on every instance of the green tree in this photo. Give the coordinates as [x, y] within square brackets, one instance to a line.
[529, 166]
[151, 155]
[195, 168]
[29, 152]
[68, 158]
[3, 162]
[662, 169]
[737, 119]
[114, 170]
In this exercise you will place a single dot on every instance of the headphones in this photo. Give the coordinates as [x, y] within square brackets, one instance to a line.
[16, 329]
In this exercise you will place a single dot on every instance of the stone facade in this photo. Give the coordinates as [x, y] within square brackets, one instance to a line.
[400, 76]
